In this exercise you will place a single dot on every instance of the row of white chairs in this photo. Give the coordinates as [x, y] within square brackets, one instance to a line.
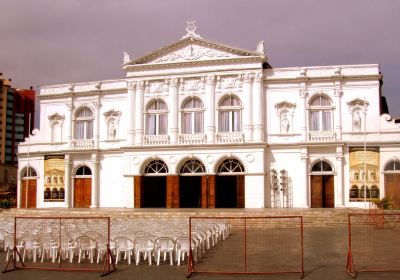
[155, 237]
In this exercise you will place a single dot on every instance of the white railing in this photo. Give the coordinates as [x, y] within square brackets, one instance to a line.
[321, 136]
[192, 139]
[82, 143]
[155, 140]
[230, 137]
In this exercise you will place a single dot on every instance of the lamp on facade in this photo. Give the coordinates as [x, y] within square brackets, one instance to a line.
[284, 180]
[274, 180]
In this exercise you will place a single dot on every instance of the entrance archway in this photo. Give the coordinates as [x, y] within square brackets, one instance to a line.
[150, 190]
[28, 188]
[190, 184]
[229, 185]
[392, 183]
[83, 187]
[322, 186]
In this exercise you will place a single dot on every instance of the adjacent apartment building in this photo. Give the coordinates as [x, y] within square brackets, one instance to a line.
[15, 107]
[202, 124]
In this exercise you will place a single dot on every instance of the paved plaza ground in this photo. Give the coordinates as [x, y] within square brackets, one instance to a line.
[325, 255]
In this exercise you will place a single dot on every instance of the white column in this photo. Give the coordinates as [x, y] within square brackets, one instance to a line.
[209, 119]
[338, 111]
[131, 114]
[95, 181]
[67, 181]
[340, 197]
[304, 166]
[303, 113]
[139, 113]
[248, 107]
[173, 111]
[68, 123]
[258, 107]
[96, 128]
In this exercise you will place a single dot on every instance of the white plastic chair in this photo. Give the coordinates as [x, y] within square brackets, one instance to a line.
[164, 245]
[85, 246]
[145, 246]
[67, 249]
[49, 249]
[31, 248]
[182, 246]
[123, 245]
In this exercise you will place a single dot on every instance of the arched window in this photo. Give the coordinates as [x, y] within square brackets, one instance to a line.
[156, 118]
[354, 191]
[84, 123]
[55, 194]
[230, 114]
[321, 166]
[230, 166]
[62, 193]
[83, 171]
[321, 114]
[374, 191]
[47, 193]
[193, 166]
[29, 172]
[155, 167]
[192, 116]
[393, 166]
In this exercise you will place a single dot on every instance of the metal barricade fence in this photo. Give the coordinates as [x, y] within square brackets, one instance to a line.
[373, 243]
[60, 243]
[246, 245]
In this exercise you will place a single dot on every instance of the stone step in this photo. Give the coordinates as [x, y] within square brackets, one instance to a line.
[316, 217]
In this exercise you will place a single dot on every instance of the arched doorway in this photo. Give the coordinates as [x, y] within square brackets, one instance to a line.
[322, 187]
[190, 184]
[392, 183]
[151, 189]
[83, 187]
[229, 184]
[28, 188]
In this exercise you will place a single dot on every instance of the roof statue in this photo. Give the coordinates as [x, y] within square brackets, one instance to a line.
[260, 47]
[190, 29]
[127, 59]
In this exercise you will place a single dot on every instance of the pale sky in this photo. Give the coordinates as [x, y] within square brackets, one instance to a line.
[62, 41]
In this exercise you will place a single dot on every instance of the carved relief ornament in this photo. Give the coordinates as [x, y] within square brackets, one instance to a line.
[55, 119]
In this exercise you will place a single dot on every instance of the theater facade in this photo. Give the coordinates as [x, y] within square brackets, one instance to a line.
[199, 124]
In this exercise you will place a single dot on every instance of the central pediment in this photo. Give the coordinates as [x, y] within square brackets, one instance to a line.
[192, 49]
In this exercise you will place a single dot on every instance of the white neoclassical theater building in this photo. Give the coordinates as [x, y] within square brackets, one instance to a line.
[202, 124]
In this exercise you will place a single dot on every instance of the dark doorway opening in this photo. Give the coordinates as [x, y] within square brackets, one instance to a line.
[154, 191]
[190, 191]
[226, 192]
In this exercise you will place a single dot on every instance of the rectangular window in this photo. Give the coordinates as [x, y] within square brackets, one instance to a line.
[163, 124]
[151, 124]
[314, 121]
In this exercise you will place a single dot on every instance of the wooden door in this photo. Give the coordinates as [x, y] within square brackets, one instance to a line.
[82, 192]
[211, 191]
[328, 191]
[137, 191]
[316, 191]
[204, 192]
[30, 195]
[240, 191]
[392, 189]
[173, 192]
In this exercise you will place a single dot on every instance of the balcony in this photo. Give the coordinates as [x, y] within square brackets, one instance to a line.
[230, 137]
[155, 140]
[192, 139]
[322, 136]
[82, 143]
